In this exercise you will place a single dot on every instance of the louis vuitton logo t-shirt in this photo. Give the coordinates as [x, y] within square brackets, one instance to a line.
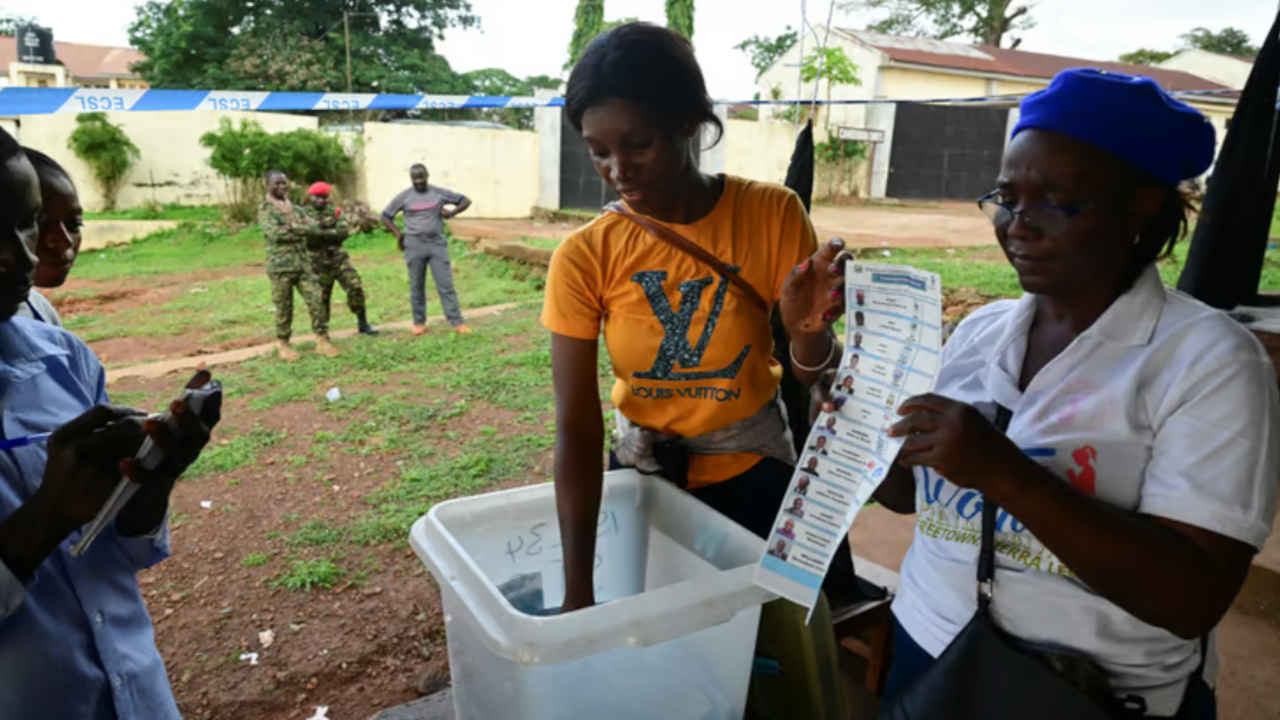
[690, 352]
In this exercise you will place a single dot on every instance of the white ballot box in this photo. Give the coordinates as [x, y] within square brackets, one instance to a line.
[672, 635]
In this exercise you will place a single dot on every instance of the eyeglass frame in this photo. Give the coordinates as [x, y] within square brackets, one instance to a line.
[1066, 213]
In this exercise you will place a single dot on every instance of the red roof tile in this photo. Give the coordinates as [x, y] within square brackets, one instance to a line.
[985, 58]
[91, 61]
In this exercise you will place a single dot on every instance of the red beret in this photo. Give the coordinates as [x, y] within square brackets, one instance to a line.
[320, 188]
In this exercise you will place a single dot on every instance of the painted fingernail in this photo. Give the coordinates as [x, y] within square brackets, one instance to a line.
[804, 266]
[835, 294]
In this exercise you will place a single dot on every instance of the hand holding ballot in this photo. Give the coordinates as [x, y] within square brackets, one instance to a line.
[956, 440]
[812, 296]
[892, 352]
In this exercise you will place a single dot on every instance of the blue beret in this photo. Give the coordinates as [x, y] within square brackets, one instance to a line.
[1129, 116]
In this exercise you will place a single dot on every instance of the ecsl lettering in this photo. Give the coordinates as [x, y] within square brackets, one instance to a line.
[101, 102]
[232, 103]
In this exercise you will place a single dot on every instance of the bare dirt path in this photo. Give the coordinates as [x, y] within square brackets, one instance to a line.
[950, 224]
[160, 368]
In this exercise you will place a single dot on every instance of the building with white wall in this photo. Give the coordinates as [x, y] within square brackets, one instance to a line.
[79, 65]
[949, 150]
[1227, 70]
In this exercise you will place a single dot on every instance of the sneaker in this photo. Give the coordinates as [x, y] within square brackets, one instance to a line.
[419, 330]
[287, 353]
[463, 330]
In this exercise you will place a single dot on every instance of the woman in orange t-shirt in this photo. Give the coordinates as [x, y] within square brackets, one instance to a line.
[692, 353]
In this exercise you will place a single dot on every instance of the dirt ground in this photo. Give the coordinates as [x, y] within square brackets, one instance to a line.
[374, 641]
[78, 296]
[944, 224]
[354, 648]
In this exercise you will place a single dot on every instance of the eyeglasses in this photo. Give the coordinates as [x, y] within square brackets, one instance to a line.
[1047, 218]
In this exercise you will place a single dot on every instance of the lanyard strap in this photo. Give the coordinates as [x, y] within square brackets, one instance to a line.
[688, 247]
[987, 553]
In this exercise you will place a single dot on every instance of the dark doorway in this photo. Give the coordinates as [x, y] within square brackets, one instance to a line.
[581, 187]
[945, 152]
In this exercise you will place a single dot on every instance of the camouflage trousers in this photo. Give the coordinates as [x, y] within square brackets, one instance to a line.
[345, 275]
[282, 285]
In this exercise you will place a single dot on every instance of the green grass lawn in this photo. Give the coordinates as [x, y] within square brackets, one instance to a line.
[238, 306]
[171, 211]
[540, 242]
[459, 414]
[985, 270]
[233, 303]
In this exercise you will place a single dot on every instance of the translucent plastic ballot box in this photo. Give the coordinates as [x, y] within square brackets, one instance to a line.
[671, 636]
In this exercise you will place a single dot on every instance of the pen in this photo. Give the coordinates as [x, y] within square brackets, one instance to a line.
[10, 443]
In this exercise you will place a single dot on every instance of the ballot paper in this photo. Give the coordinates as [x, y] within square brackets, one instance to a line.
[893, 342]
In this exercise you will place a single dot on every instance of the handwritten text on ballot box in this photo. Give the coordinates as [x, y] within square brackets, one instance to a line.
[893, 342]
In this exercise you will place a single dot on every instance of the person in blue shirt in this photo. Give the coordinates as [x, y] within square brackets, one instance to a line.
[76, 640]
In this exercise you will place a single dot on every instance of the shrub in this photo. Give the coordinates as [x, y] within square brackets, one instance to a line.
[842, 157]
[243, 153]
[835, 151]
[106, 149]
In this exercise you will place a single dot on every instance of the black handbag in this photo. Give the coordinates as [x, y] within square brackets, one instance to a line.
[988, 674]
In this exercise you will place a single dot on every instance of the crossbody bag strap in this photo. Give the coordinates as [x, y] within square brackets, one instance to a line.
[688, 247]
[987, 552]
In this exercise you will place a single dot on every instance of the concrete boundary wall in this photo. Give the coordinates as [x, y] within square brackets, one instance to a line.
[173, 166]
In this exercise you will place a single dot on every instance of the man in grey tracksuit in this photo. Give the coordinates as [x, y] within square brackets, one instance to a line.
[424, 244]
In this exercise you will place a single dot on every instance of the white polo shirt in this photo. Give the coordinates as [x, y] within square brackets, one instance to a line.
[1163, 406]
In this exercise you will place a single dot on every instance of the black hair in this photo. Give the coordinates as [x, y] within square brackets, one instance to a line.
[8, 146]
[645, 64]
[415, 166]
[1163, 230]
[46, 166]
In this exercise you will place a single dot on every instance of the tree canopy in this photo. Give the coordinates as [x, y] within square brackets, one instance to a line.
[764, 51]
[1146, 56]
[588, 22]
[9, 23]
[985, 21]
[496, 81]
[1227, 41]
[298, 44]
[680, 17]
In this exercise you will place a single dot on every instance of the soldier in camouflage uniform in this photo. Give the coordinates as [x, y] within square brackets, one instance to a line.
[288, 266]
[327, 231]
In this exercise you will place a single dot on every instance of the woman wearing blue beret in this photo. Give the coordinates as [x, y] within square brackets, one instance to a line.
[1137, 475]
